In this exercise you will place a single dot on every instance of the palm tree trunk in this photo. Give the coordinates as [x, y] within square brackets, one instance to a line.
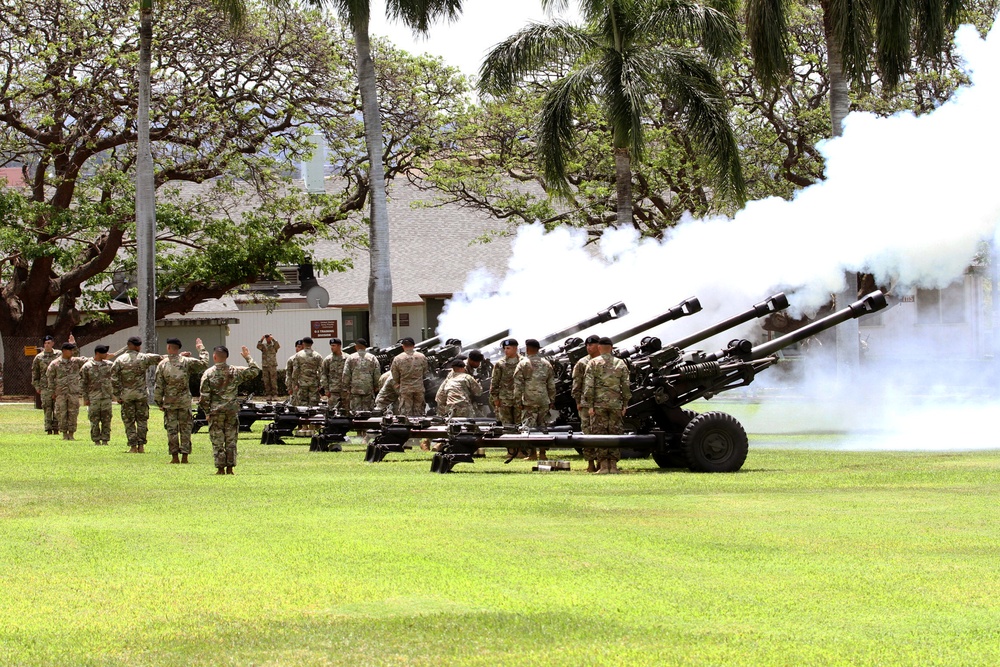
[840, 99]
[145, 195]
[380, 275]
[623, 186]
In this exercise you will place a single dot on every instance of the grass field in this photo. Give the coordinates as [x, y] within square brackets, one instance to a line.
[802, 558]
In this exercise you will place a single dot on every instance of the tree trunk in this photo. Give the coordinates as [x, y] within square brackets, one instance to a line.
[380, 274]
[623, 186]
[145, 189]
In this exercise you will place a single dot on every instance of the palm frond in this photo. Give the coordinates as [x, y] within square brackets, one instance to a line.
[711, 25]
[420, 14]
[528, 50]
[892, 37]
[851, 22]
[767, 34]
[554, 134]
[626, 92]
[935, 22]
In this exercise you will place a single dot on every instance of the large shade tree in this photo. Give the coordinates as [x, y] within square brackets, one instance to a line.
[627, 57]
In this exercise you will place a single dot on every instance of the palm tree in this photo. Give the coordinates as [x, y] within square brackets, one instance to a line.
[418, 15]
[628, 55]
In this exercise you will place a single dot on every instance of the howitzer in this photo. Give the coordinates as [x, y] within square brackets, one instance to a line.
[249, 414]
[288, 419]
[612, 312]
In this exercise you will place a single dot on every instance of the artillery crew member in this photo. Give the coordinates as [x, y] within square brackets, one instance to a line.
[457, 395]
[506, 402]
[172, 393]
[288, 371]
[535, 387]
[63, 380]
[219, 387]
[39, 365]
[361, 375]
[128, 382]
[579, 370]
[332, 374]
[408, 372]
[307, 368]
[269, 347]
[387, 398]
[95, 382]
[606, 391]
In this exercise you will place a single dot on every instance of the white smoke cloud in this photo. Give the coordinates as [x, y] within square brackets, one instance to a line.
[906, 198]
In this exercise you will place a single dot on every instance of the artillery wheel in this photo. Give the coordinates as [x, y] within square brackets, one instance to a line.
[714, 442]
[676, 457]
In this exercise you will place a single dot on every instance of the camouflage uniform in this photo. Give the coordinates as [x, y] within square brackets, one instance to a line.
[332, 377]
[535, 384]
[269, 365]
[457, 395]
[606, 390]
[388, 397]
[408, 370]
[502, 390]
[172, 393]
[289, 386]
[63, 380]
[219, 386]
[95, 381]
[579, 370]
[361, 375]
[39, 365]
[128, 382]
[307, 366]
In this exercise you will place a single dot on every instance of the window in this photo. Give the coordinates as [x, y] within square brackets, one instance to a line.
[942, 306]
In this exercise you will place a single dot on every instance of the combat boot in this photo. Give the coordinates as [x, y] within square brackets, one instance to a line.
[184, 458]
[532, 456]
[605, 468]
[229, 470]
[65, 435]
[141, 449]
[591, 465]
[613, 467]
[174, 458]
[133, 450]
[220, 470]
[542, 454]
[69, 435]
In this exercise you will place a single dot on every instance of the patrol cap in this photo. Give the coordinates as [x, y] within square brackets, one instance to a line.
[362, 342]
[48, 338]
[509, 341]
[475, 355]
[457, 363]
[221, 348]
[175, 341]
[69, 346]
[592, 340]
[407, 341]
[135, 340]
[101, 349]
[336, 341]
[532, 342]
[604, 340]
[307, 341]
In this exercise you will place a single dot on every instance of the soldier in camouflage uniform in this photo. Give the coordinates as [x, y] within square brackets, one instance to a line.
[535, 384]
[95, 381]
[607, 393]
[269, 347]
[576, 392]
[39, 365]
[307, 377]
[361, 375]
[128, 382]
[387, 398]
[457, 395]
[506, 402]
[408, 371]
[172, 394]
[219, 387]
[332, 374]
[288, 372]
[63, 380]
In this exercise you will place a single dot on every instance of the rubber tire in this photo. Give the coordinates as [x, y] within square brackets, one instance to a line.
[715, 442]
[675, 458]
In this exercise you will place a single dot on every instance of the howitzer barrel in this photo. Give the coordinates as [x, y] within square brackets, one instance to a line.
[489, 340]
[612, 312]
[870, 303]
[771, 305]
[684, 308]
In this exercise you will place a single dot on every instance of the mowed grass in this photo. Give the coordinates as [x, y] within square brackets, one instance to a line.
[802, 558]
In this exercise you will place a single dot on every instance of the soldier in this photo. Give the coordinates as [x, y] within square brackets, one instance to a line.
[307, 378]
[63, 380]
[457, 395]
[39, 365]
[606, 392]
[172, 393]
[269, 347]
[408, 370]
[387, 398]
[361, 375]
[95, 381]
[128, 382]
[288, 372]
[332, 374]
[219, 385]
[576, 392]
[506, 403]
[535, 384]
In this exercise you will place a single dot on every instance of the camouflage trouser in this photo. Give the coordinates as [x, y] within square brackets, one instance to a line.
[308, 395]
[411, 403]
[589, 453]
[177, 422]
[49, 407]
[462, 410]
[135, 414]
[362, 402]
[509, 415]
[535, 416]
[99, 414]
[223, 430]
[270, 375]
[607, 422]
[67, 410]
[333, 399]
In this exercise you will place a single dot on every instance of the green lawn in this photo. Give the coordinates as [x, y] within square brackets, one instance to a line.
[802, 558]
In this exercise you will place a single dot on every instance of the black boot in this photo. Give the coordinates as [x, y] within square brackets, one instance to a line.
[229, 470]
[220, 470]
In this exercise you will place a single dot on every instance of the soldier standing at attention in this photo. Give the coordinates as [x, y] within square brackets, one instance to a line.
[333, 374]
[576, 392]
[39, 365]
[457, 395]
[128, 382]
[607, 393]
[95, 381]
[269, 363]
[288, 372]
[63, 380]
[535, 384]
[361, 375]
[172, 393]
[408, 370]
[506, 402]
[219, 386]
[307, 377]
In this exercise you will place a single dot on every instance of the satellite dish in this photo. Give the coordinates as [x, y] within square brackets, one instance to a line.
[317, 297]
[121, 281]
